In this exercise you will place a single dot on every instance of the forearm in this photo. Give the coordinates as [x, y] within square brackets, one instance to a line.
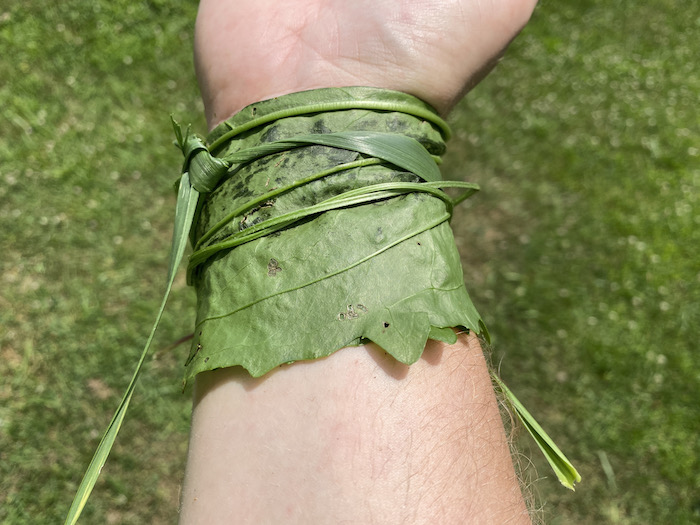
[356, 437]
[353, 438]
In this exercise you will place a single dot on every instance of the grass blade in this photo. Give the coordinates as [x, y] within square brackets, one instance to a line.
[402, 151]
[565, 471]
[186, 205]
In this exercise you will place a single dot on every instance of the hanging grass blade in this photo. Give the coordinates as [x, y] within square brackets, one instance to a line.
[186, 205]
[565, 471]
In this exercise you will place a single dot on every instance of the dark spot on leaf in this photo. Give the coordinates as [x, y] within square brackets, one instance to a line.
[419, 244]
[386, 325]
[320, 127]
[192, 356]
[271, 134]
[350, 312]
[273, 267]
[379, 236]
[206, 359]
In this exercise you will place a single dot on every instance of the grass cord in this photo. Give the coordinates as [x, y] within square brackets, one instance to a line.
[564, 470]
[185, 208]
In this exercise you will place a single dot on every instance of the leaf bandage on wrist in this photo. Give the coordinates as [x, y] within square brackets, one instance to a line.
[321, 222]
[329, 228]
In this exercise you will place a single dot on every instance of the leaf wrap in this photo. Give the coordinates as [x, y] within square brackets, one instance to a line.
[333, 205]
[386, 270]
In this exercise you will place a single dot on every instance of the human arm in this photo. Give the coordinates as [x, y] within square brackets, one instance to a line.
[355, 437]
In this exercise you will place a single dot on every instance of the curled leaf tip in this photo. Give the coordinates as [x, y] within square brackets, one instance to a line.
[179, 135]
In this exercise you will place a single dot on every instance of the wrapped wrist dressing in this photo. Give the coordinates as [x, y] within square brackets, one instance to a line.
[356, 245]
[318, 220]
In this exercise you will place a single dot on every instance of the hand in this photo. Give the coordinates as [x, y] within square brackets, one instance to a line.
[250, 50]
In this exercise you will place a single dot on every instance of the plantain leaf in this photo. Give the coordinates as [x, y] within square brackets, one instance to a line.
[330, 229]
[331, 249]
[373, 101]
[185, 208]
[565, 471]
[367, 194]
[402, 151]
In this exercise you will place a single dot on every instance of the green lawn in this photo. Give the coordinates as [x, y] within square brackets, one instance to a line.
[582, 251]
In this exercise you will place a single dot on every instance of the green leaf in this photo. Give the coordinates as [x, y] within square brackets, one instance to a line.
[186, 205]
[304, 250]
[402, 151]
[367, 100]
[565, 471]
[364, 195]
[331, 251]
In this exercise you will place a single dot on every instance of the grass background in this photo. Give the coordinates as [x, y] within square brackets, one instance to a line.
[582, 252]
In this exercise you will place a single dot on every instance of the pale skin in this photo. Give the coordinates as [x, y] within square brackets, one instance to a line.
[355, 438]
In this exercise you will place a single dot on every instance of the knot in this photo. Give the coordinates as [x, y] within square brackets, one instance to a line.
[204, 169]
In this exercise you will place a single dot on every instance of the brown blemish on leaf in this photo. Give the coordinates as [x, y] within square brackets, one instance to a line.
[273, 267]
[350, 312]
